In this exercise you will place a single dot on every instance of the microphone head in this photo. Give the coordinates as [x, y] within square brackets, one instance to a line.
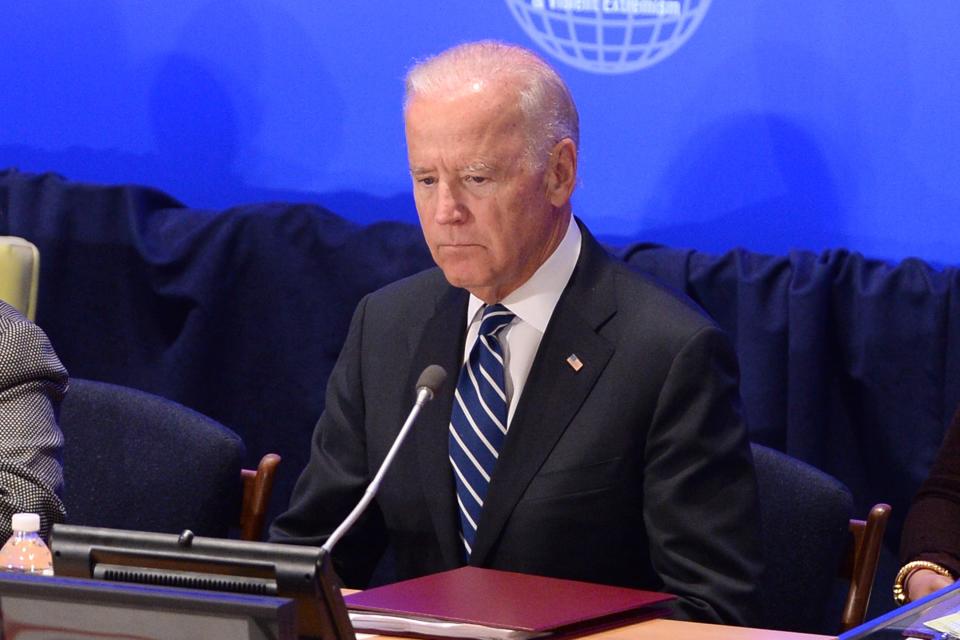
[432, 379]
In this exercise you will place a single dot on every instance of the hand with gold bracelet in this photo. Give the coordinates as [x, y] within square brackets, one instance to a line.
[918, 579]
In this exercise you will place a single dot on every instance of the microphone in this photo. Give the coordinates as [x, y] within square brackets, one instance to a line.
[428, 384]
[430, 381]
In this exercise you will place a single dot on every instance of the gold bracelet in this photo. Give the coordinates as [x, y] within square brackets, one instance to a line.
[900, 583]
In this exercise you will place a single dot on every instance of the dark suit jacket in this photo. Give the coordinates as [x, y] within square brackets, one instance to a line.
[633, 471]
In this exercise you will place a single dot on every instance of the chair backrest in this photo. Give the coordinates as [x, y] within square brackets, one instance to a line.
[807, 543]
[133, 460]
[860, 564]
[19, 274]
[257, 489]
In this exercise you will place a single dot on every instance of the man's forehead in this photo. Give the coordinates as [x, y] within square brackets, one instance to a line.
[468, 132]
[467, 126]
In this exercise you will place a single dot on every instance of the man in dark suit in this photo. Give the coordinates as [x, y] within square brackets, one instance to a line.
[592, 429]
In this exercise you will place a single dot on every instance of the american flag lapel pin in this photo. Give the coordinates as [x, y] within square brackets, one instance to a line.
[575, 363]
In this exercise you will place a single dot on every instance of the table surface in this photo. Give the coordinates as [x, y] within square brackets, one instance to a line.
[662, 629]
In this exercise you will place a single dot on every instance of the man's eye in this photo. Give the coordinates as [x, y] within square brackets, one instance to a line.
[427, 181]
[477, 179]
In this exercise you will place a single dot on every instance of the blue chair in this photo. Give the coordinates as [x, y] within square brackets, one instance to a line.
[133, 460]
[810, 544]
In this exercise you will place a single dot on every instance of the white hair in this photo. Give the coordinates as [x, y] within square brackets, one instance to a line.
[542, 96]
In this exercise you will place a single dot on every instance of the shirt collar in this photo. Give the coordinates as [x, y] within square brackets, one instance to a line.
[533, 302]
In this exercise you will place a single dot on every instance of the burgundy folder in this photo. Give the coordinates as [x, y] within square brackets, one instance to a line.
[509, 600]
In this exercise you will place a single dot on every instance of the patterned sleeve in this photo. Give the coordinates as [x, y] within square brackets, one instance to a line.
[32, 384]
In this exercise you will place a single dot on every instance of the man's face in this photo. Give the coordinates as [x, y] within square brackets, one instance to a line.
[489, 217]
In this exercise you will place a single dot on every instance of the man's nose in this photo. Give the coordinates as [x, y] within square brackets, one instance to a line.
[449, 204]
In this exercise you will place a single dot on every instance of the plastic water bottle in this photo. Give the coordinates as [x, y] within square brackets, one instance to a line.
[25, 551]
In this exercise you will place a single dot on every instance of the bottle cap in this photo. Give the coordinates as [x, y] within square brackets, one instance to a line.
[26, 522]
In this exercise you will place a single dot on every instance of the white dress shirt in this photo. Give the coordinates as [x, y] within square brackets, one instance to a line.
[533, 304]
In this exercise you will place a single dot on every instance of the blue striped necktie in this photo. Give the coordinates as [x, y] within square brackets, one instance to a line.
[478, 423]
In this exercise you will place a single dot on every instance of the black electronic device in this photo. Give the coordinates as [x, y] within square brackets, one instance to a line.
[301, 573]
[58, 608]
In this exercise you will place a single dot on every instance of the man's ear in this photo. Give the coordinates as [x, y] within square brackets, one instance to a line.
[561, 175]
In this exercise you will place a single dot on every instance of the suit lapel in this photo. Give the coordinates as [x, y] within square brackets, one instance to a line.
[554, 391]
[441, 343]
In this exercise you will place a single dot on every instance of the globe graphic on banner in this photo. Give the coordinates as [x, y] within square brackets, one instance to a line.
[609, 36]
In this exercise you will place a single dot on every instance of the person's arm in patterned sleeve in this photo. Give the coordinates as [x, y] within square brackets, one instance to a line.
[32, 384]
